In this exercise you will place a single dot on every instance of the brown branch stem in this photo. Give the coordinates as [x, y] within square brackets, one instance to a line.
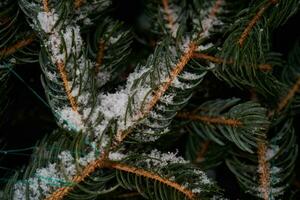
[100, 55]
[169, 13]
[262, 67]
[264, 170]
[15, 47]
[153, 176]
[291, 93]
[253, 22]
[63, 75]
[210, 119]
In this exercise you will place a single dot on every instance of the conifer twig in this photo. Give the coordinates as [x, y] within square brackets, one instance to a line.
[46, 6]
[168, 12]
[262, 67]
[100, 55]
[264, 170]
[63, 74]
[254, 20]
[184, 59]
[90, 168]
[291, 93]
[141, 172]
[18, 45]
[210, 119]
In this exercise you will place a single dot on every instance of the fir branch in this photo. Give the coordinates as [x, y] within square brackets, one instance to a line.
[210, 119]
[63, 74]
[90, 168]
[141, 172]
[264, 170]
[254, 20]
[291, 93]
[100, 55]
[18, 45]
[168, 11]
[46, 6]
[185, 58]
[215, 9]
[262, 67]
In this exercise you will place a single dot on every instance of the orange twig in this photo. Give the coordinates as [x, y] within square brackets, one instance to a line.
[252, 23]
[153, 176]
[185, 58]
[264, 171]
[46, 6]
[169, 13]
[261, 67]
[210, 119]
[283, 103]
[63, 75]
[20, 44]
[216, 8]
[100, 56]
[90, 168]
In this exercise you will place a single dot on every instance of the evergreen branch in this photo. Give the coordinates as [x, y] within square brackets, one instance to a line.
[46, 6]
[210, 119]
[100, 56]
[15, 47]
[60, 193]
[291, 93]
[243, 123]
[184, 59]
[63, 74]
[141, 172]
[254, 20]
[262, 67]
[275, 162]
[264, 170]
[168, 12]
[215, 9]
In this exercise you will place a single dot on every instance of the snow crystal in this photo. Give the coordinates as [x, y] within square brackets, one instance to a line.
[47, 20]
[68, 162]
[71, 118]
[87, 21]
[205, 47]
[84, 161]
[172, 12]
[158, 159]
[116, 156]
[178, 84]
[272, 151]
[102, 78]
[114, 104]
[167, 98]
[113, 40]
[190, 76]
